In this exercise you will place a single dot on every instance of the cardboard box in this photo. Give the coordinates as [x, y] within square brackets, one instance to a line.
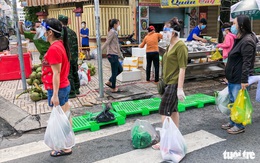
[127, 76]
[140, 61]
[138, 52]
[130, 63]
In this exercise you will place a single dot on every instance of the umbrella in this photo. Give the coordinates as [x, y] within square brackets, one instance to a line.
[250, 8]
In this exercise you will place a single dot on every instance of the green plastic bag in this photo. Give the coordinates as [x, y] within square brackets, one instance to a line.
[241, 110]
[140, 139]
[143, 134]
[249, 110]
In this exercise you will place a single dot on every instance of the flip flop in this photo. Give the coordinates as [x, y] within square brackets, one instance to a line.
[118, 91]
[108, 85]
[60, 153]
[156, 146]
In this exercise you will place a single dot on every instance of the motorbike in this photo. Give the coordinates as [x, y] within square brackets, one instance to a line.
[129, 40]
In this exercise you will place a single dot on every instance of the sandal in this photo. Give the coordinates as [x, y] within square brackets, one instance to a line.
[118, 91]
[156, 146]
[226, 126]
[235, 130]
[110, 86]
[60, 153]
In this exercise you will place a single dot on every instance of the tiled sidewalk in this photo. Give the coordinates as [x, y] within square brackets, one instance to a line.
[10, 89]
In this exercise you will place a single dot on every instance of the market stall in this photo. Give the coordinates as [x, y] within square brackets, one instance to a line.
[200, 63]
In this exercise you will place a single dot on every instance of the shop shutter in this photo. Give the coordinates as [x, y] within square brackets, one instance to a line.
[160, 15]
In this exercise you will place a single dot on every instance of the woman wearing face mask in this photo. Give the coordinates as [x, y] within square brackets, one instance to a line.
[240, 64]
[55, 70]
[84, 33]
[228, 41]
[175, 61]
[113, 53]
[152, 52]
[227, 44]
[195, 33]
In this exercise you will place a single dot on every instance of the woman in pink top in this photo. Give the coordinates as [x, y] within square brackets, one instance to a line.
[228, 41]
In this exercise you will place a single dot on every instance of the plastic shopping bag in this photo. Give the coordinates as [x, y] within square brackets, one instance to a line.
[143, 134]
[222, 101]
[238, 108]
[216, 56]
[248, 110]
[83, 78]
[59, 134]
[172, 144]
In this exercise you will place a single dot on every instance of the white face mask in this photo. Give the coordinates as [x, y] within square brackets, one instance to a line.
[82, 25]
[118, 28]
[224, 33]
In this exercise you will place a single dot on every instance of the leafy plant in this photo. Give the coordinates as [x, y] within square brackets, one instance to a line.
[30, 13]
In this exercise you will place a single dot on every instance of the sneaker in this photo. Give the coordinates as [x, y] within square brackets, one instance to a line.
[226, 126]
[235, 130]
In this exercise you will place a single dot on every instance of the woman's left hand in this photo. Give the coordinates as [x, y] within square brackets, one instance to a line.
[55, 100]
[244, 85]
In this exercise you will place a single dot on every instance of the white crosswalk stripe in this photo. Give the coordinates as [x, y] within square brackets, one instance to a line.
[195, 141]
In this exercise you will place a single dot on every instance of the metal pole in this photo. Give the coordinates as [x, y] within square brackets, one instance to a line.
[99, 52]
[20, 50]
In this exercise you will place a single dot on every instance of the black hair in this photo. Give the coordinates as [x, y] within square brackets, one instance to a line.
[178, 29]
[83, 22]
[37, 22]
[111, 23]
[56, 25]
[226, 25]
[203, 21]
[244, 25]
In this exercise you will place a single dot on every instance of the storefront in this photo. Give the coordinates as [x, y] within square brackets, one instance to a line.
[187, 11]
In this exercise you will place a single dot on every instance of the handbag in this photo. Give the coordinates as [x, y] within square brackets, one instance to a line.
[161, 87]
[105, 115]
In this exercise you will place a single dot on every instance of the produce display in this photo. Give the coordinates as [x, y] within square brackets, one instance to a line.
[36, 93]
[36, 75]
[92, 69]
[196, 46]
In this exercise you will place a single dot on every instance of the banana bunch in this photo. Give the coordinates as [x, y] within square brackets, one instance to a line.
[81, 56]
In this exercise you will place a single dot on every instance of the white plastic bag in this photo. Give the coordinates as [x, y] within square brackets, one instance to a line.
[140, 129]
[59, 134]
[82, 72]
[83, 78]
[172, 144]
[222, 101]
[93, 54]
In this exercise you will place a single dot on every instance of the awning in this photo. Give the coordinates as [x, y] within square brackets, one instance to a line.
[50, 2]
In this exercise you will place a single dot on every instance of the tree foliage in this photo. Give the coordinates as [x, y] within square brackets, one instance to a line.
[30, 13]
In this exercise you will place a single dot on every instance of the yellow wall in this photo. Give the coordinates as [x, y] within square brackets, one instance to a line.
[123, 13]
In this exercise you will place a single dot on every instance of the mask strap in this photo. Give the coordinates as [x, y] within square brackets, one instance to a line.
[54, 29]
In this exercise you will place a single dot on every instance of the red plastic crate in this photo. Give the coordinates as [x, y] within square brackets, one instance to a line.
[10, 66]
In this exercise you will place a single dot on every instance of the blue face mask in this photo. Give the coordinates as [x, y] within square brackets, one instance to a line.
[234, 29]
[203, 27]
[44, 38]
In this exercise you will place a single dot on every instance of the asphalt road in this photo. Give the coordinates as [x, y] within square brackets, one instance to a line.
[112, 145]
